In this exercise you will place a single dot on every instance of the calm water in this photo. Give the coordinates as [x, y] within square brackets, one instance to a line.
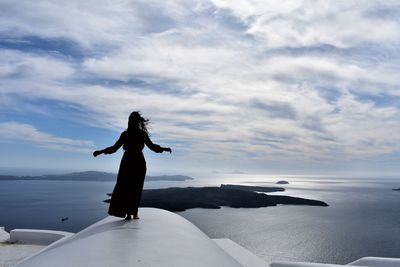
[363, 218]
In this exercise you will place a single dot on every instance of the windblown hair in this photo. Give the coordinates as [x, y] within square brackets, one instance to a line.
[136, 121]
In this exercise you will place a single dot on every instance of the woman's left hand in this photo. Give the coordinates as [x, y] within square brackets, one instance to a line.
[167, 149]
[96, 153]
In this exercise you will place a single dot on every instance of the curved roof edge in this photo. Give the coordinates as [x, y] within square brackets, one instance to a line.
[158, 238]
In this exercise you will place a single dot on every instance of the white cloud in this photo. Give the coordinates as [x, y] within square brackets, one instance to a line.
[18, 65]
[99, 24]
[211, 74]
[296, 23]
[13, 131]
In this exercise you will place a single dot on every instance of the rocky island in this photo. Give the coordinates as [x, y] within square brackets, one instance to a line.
[234, 196]
[263, 189]
[282, 182]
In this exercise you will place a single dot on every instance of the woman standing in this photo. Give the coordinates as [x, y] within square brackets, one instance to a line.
[127, 192]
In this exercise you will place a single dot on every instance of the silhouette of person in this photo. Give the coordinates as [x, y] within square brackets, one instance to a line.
[127, 192]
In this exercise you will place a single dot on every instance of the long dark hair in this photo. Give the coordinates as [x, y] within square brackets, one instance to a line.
[136, 121]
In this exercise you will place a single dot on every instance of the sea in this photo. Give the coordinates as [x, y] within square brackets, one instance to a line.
[362, 219]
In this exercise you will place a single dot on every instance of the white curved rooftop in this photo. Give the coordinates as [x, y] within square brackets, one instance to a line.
[158, 238]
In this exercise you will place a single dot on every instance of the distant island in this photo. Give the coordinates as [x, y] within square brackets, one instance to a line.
[263, 189]
[282, 182]
[90, 176]
[234, 196]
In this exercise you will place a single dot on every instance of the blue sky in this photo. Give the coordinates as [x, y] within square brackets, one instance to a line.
[252, 86]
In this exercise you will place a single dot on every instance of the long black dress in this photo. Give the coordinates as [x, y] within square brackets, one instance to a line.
[132, 171]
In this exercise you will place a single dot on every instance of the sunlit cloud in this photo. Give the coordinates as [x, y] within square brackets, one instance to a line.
[222, 80]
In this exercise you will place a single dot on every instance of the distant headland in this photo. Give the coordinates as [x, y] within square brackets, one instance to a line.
[234, 196]
[89, 176]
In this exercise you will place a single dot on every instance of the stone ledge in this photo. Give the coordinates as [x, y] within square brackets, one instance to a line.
[36, 237]
[376, 262]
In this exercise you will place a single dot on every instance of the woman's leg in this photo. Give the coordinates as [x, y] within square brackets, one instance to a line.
[120, 196]
[138, 192]
[117, 204]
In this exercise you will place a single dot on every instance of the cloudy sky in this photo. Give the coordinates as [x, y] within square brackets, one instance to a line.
[231, 85]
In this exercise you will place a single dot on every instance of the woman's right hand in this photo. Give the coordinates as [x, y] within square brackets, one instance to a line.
[96, 153]
[167, 149]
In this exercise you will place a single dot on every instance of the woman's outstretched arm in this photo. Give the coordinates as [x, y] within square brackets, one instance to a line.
[156, 148]
[113, 148]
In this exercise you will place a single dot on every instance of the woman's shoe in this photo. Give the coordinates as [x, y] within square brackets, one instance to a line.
[128, 217]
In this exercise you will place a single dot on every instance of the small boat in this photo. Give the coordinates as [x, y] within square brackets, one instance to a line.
[396, 189]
